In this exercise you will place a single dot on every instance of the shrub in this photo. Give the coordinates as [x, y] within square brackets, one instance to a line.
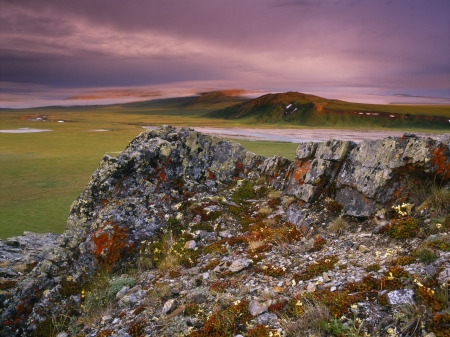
[244, 192]
[403, 228]
[440, 200]
[425, 255]
[338, 225]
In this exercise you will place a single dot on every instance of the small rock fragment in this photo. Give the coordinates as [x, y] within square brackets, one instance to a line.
[239, 265]
[256, 308]
[402, 296]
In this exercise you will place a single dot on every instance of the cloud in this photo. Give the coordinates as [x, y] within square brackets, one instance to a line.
[264, 44]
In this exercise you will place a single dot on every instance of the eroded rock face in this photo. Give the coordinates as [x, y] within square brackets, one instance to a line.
[383, 171]
[361, 177]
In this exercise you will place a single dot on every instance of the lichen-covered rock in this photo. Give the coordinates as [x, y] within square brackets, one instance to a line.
[315, 168]
[383, 171]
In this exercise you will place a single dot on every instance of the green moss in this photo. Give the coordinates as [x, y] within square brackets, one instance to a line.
[317, 268]
[244, 192]
[403, 261]
[373, 267]
[402, 228]
[425, 255]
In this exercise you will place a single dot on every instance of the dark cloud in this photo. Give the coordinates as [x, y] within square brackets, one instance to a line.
[262, 43]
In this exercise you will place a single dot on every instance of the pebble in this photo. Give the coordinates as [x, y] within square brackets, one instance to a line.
[255, 308]
[239, 265]
[402, 296]
[191, 244]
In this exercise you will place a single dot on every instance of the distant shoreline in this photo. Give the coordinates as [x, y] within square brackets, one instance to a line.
[298, 135]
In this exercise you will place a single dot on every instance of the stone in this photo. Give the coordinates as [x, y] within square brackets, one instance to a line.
[326, 278]
[239, 264]
[430, 271]
[191, 244]
[402, 296]
[363, 249]
[267, 319]
[255, 308]
[122, 292]
[444, 276]
[169, 306]
[311, 287]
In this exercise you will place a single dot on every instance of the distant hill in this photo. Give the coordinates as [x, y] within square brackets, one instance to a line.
[309, 110]
[211, 100]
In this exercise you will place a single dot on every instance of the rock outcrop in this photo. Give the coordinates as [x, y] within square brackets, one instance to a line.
[362, 177]
[132, 197]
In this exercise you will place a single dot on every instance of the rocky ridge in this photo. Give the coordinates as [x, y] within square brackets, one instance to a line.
[181, 228]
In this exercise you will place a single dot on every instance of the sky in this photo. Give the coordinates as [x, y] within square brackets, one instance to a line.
[65, 52]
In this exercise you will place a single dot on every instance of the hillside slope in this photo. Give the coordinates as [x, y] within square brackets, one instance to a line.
[309, 110]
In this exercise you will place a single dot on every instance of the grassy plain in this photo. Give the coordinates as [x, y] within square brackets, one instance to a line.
[42, 173]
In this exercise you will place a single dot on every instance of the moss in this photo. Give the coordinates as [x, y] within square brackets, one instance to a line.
[69, 287]
[276, 307]
[216, 248]
[270, 270]
[137, 328]
[227, 322]
[191, 309]
[139, 309]
[46, 328]
[259, 331]
[202, 226]
[213, 263]
[425, 255]
[104, 333]
[333, 206]
[220, 286]
[244, 192]
[318, 244]
[441, 244]
[373, 267]
[397, 272]
[317, 268]
[175, 226]
[402, 228]
[402, 261]
[274, 203]
[440, 324]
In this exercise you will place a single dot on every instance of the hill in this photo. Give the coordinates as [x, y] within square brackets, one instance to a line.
[309, 110]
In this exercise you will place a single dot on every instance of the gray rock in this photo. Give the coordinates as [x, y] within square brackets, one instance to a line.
[191, 244]
[122, 292]
[239, 264]
[444, 276]
[169, 306]
[267, 319]
[255, 308]
[430, 271]
[398, 297]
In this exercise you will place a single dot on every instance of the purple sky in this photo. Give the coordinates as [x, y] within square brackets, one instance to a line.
[360, 50]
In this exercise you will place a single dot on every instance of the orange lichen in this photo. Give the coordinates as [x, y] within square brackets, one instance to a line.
[109, 245]
[301, 168]
[441, 161]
